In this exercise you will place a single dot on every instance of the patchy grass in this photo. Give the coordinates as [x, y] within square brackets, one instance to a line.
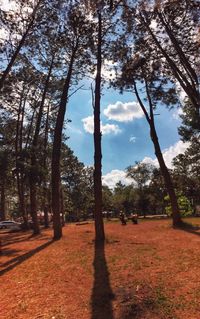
[145, 271]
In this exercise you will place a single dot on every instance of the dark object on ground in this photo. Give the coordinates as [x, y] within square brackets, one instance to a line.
[134, 219]
[122, 218]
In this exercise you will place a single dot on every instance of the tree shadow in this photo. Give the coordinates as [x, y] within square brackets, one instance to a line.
[102, 295]
[187, 227]
[5, 241]
[14, 262]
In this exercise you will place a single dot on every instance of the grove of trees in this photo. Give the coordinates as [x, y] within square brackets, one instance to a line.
[47, 49]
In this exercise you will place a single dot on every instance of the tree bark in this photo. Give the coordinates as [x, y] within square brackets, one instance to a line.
[3, 200]
[18, 150]
[167, 178]
[56, 153]
[45, 188]
[33, 174]
[164, 170]
[99, 226]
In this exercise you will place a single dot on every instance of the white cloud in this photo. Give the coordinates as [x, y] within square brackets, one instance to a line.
[4, 34]
[88, 124]
[176, 114]
[115, 176]
[123, 112]
[110, 128]
[169, 154]
[108, 70]
[74, 129]
[132, 139]
[181, 93]
[7, 5]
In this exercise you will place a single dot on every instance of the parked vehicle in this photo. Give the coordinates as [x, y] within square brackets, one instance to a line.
[10, 224]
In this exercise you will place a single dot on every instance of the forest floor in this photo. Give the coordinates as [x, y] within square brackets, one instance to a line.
[144, 271]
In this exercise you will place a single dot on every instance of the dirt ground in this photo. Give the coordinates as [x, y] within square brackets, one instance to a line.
[145, 271]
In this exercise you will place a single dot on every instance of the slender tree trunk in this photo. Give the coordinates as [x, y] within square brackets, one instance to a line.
[3, 200]
[18, 48]
[33, 174]
[18, 151]
[164, 170]
[62, 206]
[167, 178]
[45, 189]
[56, 153]
[99, 226]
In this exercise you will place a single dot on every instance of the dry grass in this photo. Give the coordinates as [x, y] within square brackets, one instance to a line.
[145, 271]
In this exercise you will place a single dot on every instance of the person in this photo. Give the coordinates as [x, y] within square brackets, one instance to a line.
[122, 218]
[134, 218]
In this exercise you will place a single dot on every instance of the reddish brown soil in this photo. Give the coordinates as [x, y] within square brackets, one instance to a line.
[145, 271]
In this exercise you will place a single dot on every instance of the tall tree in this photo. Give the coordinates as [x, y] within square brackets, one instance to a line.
[74, 37]
[101, 11]
[141, 173]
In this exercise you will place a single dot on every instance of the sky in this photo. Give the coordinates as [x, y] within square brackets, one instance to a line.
[125, 133]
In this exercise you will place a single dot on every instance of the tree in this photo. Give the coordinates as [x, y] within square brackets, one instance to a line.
[140, 67]
[186, 172]
[141, 173]
[101, 11]
[74, 37]
[77, 185]
[180, 53]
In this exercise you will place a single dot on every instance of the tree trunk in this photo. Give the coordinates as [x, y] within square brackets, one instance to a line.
[33, 174]
[22, 207]
[3, 201]
[167, 178]
[62, 206]
[164, 170]
[56, 153]
[99, 226]
[18, 151]
[45, 189]
[33, 204]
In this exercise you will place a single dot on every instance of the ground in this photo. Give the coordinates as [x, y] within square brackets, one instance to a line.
[145, 271]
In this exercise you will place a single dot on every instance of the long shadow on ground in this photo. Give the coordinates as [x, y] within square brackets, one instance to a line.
[14, 238]
[102, 295]
[20, 259]
[187, 227]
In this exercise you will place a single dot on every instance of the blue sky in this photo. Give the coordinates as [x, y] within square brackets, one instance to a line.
[126, 134]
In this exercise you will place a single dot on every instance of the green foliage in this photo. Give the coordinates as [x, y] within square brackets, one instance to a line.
[184, 205]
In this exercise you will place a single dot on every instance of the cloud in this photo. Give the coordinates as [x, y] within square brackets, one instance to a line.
[181, 93]
[108, 70]
[8, 5]
[132, 139]
[74, 129]
[115, 176]
[169, 154]
[123, 112]
[88, 124]
[176, 114]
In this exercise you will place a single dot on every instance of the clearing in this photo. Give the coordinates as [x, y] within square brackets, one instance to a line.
[145, 271]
